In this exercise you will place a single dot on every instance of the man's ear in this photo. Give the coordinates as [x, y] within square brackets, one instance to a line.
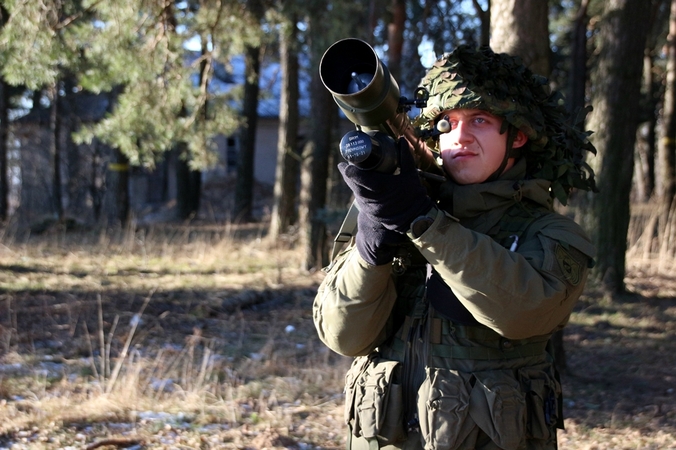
[520, 139]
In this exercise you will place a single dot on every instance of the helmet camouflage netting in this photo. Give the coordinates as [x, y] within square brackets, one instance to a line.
[502, 85]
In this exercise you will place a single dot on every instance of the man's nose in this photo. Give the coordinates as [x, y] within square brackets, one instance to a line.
[461, 133]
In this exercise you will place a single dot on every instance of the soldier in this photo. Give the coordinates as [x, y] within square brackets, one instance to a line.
[449, 294]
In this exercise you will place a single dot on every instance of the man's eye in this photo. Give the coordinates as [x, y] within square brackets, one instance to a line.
[479, 120]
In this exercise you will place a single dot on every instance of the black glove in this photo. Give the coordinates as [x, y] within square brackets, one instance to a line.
[393, 200]
[376, 244]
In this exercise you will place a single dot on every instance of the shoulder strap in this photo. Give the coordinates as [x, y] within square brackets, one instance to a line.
[346, 231]
[516, 222]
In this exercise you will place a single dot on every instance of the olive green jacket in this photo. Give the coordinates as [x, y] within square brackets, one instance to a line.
[519, 294]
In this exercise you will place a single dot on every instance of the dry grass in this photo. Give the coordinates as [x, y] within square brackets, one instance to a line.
[203, 338]
[202, 326]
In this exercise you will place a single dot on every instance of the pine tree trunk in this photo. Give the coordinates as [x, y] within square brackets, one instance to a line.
[667, 147]
[4, 133]
[485, 18]
[120, 183]
[649, 137]
[188, 187]
[244, 187]
[75, 185]
[646, 142]
[286, 175]
[315, 170]
[667, 144]
[55, 149]
[189, 180]
[520, 27]
[96, 181]
[616, 77]
[395, 37]
[578, 60]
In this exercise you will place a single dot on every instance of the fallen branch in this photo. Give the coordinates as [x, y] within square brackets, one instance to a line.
[117, 442]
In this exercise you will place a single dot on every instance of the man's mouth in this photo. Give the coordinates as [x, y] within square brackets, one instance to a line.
[461, 154]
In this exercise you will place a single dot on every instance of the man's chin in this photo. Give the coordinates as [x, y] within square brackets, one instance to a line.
[467, 179]
[463, 174]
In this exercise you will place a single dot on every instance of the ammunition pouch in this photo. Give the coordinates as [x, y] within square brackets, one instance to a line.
[374, 401]
[443, 408]
[507, 405]
[543, 394]
[498, 407]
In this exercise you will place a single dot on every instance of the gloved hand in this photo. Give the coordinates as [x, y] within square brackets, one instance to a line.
[393, 200]
[375, 243]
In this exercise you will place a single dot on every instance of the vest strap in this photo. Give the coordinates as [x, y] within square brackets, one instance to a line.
[488, 353]
[487, 343]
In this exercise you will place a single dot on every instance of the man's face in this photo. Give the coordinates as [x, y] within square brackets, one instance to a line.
[474, 148]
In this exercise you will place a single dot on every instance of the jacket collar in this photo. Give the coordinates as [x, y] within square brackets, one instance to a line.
[480, 206]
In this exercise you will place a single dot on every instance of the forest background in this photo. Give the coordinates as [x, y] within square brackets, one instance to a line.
[121, 334]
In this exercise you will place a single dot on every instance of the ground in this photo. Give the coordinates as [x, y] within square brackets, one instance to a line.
[211, 345]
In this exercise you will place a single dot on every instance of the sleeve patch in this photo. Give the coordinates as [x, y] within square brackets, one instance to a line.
[570, 267]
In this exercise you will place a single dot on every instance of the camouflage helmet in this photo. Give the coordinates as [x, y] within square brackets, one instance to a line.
[500, 84]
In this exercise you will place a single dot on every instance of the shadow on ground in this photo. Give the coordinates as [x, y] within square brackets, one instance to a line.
[621, 359]
[621, 355]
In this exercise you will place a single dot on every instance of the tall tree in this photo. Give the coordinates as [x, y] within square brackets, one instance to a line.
[314, 174]
[244, 188]
[315, 171]
[484, 16]
[119, 183]
[52, 55]
[320, 180]
[395, 37]
[4, 133]
[188, 185]
[520, 27]
[288, 158]
[667, 147]
[651, 90]
[616, 77]
[55, 127]
[578, 59]
[168, 101]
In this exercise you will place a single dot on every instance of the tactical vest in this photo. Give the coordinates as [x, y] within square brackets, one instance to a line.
[518, 222]
[473, 345]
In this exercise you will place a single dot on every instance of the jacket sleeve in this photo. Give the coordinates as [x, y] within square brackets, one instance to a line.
[353, 305]
[519, 294]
